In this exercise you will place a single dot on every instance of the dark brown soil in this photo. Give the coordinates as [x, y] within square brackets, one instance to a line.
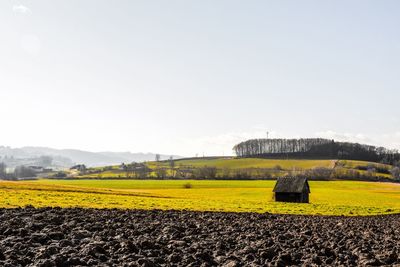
[89, 237]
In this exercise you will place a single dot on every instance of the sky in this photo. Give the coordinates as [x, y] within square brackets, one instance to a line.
[197, 77]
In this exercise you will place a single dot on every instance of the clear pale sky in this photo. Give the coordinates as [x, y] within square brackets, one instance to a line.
[187, 77]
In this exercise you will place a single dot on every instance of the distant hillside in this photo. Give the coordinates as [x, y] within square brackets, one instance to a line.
[68, 157]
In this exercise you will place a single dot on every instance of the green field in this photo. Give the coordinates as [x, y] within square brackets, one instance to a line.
[327, 197]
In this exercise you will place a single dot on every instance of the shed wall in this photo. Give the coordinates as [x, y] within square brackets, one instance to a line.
[292, 197]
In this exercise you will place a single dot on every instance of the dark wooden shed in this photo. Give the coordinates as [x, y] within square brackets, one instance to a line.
[290, 189]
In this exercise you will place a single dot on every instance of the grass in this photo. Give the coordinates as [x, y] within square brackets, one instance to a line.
[327, 197]
[243, 163]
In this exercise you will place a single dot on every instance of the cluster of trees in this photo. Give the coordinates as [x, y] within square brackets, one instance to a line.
[314, 148]
[205, 172]
[277, 146]
[142, 171]
[19, 172]
[136, 170]
[340, 173]
[319, 173]
[372, 172]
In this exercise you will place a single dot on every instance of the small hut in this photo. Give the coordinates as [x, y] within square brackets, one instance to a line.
[288, 189]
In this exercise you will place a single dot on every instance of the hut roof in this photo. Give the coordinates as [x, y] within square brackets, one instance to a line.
[291, 185]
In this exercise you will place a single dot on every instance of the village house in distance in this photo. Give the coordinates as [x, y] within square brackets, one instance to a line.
[288, 189]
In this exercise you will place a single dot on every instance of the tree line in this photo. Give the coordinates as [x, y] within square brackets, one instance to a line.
[315, 148]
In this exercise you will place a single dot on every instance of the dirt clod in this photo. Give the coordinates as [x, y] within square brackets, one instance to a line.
[90, 237]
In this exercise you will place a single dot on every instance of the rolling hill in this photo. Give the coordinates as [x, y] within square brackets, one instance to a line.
[69, 157]
[250, 168]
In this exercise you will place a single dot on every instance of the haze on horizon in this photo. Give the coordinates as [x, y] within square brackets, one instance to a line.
[194, 77]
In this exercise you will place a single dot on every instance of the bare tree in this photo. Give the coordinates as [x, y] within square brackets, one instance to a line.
[142, 171]
[226, 173]
[136, 170]
[24, 172]
[172, 166]
[371, 172]
[158, 157]
[395, 173]
[319, 173]
[242, 174]
[206, 172]
[3, 170]
[161, 172]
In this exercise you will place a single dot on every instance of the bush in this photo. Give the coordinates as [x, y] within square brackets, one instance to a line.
[278, 168]
[375, 168]
[60, 175]
[187, 186]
